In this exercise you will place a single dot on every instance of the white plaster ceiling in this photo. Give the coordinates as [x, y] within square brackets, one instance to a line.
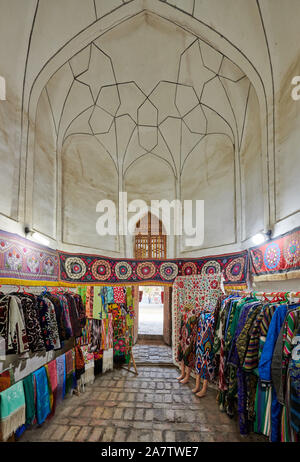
[145, 79]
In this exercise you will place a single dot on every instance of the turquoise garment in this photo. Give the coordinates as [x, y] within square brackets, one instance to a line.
[42, 395]
[11, 400]
[28, 385]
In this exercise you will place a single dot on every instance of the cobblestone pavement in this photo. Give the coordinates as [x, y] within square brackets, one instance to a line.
[152, 354]
[150, 407]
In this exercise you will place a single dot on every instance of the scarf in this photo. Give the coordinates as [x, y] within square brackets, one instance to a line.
[5, 380]
[97, 305]
[95, 335]
[110, 331]
[69, 371]
[89, 302]
[61, 377]
[66, 315]
[42, 395]
[28, 384]
[88, 376]
[74, 315]
[98, 362]
[12, 410]
[119, 295]
[52, 381]
[17, 338]
[79, 362]
[129, 298]
[108, 360]
[82, 292]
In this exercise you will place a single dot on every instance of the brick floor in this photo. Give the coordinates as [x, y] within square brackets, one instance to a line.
[158, 354]
[153, 408]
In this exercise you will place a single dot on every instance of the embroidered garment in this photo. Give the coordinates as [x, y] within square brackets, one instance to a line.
[32, 325]
[119, 295]
[17, 341]
[55, 341]
[66, 315]
[95, 335]
[204, 346]
[199, 293]
[46, 322]
[12, 410]
[188, 336]
[74, 315]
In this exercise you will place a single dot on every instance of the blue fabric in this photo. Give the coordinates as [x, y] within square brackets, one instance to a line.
[42, 395]
[264, 367]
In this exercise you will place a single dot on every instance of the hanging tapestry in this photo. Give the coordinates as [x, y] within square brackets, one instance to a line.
[191, 295]
[277, 259]
[21, 258]
[91, 269]
[12, 410]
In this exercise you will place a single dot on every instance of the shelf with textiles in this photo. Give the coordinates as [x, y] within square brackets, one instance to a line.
[39, 326]
[257, 337]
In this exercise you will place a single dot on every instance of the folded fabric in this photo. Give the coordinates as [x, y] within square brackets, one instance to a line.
[42, 395]
[61, 377]
[32, 325]
[12, 410]
[28, 384]
[51, 370]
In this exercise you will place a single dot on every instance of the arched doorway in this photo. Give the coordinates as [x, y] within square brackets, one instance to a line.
[150, 241]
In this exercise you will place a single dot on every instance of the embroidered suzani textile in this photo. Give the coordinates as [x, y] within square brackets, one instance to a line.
[21, 258]
[194, 294]
[278, 258]
[92, 269]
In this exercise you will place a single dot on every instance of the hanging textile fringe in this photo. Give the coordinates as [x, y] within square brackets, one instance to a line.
[12, 410]
[277, 277]
[108, 360]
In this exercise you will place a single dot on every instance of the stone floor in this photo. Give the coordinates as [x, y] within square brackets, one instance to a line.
[150, 407]
[152, 354]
